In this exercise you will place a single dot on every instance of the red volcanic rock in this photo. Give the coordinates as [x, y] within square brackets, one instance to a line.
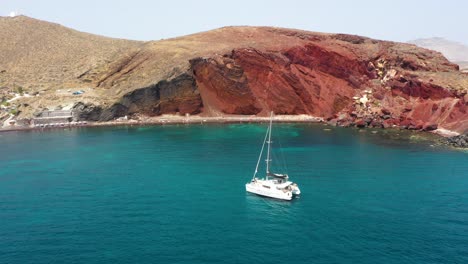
[407, 108]
[419, 89]
[379, 95]
[429, 127]
[368, 119]
[390, 123]
[223, 86]
[295, 72]
[360, 123]
[385, 111]
[406, 123]
[272, 81]
[337, 64]
[416, 125]
[320, 77]
[376, 123]
[255, 70]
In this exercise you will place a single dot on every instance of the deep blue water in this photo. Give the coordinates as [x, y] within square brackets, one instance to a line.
[175, 194]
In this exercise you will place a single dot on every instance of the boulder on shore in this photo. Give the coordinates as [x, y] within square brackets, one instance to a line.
[460, 141]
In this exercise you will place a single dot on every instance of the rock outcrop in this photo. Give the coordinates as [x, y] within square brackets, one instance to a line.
[460, 141]
[348, 80]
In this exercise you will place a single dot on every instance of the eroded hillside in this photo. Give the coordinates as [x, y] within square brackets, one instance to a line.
[346, 79]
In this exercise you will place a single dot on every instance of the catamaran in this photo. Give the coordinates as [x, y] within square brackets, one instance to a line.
[274, 185]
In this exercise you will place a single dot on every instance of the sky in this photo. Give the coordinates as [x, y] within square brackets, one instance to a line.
[396, 20]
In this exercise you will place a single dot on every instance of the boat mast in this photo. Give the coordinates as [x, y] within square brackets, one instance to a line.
[268, 160]
[261, 153]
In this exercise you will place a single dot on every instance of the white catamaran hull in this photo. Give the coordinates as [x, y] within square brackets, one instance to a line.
[273, 193]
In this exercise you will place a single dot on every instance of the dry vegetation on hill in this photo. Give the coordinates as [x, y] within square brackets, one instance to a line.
[231, 70]
[42, 55]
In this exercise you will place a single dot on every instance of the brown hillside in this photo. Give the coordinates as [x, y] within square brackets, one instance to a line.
[234, 70]
[42, 56]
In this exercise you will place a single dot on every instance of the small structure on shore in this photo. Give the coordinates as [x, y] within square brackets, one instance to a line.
[51, 118]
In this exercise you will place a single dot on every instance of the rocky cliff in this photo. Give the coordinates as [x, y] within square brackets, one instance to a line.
[346, 79]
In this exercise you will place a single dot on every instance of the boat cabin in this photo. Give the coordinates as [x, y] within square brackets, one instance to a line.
[278, 178]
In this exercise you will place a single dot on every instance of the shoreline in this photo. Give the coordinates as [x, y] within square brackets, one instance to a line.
[176, 119]
[173, 120]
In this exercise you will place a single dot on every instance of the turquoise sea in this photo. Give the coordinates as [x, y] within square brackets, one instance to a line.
[175, 194]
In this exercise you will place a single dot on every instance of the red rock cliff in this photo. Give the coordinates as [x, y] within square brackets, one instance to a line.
[346, 79]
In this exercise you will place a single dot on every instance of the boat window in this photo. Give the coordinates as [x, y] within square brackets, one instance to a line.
[268, 187]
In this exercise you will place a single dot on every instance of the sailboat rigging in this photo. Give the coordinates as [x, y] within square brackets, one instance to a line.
[274, 185]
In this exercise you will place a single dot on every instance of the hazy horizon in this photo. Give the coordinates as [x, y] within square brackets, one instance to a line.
[146, 20]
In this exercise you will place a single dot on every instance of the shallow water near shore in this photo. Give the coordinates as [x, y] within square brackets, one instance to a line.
[175, 194]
